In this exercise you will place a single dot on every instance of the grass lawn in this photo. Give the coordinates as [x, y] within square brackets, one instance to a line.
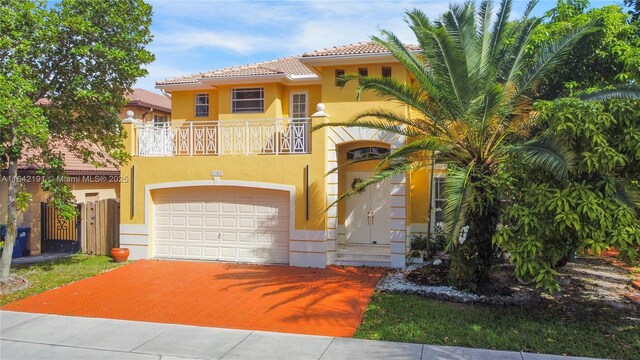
[606, 333]
[45, 276]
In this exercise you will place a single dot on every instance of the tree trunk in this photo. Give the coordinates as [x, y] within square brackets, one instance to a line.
[12, 222]
[471, 260]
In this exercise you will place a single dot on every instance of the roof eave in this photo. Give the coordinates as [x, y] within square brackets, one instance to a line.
[149, 106]
[212, 82]
[327, 60]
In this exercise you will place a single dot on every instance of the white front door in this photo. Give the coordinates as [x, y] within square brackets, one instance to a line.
[367, 213]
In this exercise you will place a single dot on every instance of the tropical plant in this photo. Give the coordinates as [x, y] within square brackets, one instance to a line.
[607, 56]
[470, 98]
[597, 206]
[64, 69]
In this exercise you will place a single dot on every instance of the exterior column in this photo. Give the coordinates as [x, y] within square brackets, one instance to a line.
[135, 237]
[331, 181]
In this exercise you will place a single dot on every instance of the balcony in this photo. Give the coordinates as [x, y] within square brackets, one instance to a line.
[224, 137]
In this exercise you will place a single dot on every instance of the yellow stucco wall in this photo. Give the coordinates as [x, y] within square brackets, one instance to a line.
[341, 105]
[277, 169]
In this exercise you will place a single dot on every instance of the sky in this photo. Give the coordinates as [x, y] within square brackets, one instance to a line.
[196, 36]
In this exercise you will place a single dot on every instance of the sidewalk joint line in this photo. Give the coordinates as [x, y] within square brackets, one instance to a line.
[24, 322]
[327, 348]
[153, 338]
[236, 345]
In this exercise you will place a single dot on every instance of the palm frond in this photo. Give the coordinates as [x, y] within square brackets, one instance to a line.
[380, 158]
[458, 193]
[626, 92]
[550, 57]
[549, 154]
[627, 195]
[372, 124]
[500, 25]
[425, 144]
[396, 168]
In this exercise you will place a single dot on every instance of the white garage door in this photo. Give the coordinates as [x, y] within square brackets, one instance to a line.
[222, 223]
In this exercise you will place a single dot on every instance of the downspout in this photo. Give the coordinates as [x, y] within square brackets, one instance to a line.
[145, 114]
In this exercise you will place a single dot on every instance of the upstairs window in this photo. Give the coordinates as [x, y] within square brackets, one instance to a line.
[363, 72]
[339, 73]
[386, 71]
[202, 105]
[158, 119]
[247, 100]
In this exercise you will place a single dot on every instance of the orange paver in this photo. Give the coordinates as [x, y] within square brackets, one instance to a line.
[272, 298]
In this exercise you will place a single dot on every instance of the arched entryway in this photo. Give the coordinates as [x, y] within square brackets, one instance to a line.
[369, 228]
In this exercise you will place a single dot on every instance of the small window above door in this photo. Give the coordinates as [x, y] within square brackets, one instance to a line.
[369, 152]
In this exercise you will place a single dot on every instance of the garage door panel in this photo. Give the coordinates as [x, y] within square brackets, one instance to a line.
[228, 208]
[178, 220]
[222, 223]
[211, 222]
[228, 236]
[178, 207]
[212, 208]
[246, 223]
[195, 221]
[162, 250]
[177, 250]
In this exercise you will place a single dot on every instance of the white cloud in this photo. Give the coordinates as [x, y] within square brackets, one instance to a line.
[158, 70]
[180, 40]
[194, 36]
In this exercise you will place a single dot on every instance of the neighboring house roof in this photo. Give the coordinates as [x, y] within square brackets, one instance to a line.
[291, 67]
[136, 97]
[73, 164]
[361, 48]
[148, 99]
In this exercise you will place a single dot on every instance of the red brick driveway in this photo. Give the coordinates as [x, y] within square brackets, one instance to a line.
[271, 298]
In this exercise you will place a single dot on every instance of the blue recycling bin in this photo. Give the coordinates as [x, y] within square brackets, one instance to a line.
[20, 247]
[3, 232]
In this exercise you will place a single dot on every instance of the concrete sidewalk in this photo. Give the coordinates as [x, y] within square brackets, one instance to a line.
[28, 336]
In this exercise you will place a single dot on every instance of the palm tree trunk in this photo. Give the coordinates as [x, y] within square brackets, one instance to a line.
[472, 259]
[12, 222]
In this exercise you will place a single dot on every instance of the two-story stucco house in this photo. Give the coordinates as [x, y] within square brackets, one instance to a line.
[238, 175]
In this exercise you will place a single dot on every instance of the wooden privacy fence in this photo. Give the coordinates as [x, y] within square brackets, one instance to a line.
[100, 227]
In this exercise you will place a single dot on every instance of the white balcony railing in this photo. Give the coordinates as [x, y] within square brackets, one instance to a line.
[224, 137]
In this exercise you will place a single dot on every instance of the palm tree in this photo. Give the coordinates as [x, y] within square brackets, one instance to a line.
[472, 89]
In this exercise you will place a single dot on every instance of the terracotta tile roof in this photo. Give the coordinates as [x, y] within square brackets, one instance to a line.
[73, 164]
[360, 48]
[146, 98]
[286, 66]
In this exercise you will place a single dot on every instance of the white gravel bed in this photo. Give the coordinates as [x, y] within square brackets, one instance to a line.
[397, 283]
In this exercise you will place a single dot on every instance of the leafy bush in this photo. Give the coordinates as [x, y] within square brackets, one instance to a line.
[596, 207]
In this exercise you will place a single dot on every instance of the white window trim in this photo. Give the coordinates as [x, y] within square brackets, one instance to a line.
[195, 105]
[306, 105]
[248, 87]
[433, 199]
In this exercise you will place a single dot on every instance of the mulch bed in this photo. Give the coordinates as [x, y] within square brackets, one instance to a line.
[15, 283]
[589, 284]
